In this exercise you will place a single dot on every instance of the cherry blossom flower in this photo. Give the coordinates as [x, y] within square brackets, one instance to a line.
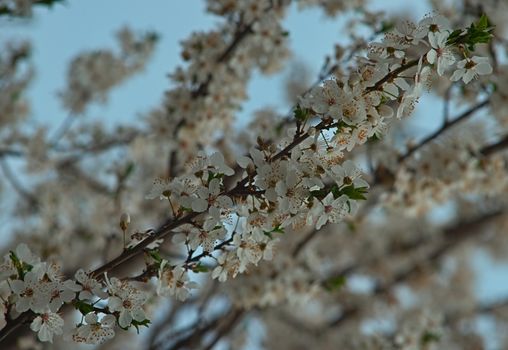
[440, 53]
[469, 69]
[408, 102]
[291, 194]
[211, 198]
[326, 99]
[435, 23]
[90, 287]
[160, 188]
[228, 264]
[46, 325]
[95, 332]
[250, 251]
[217, 162]
[61, 292]
[174, 282]
[330, 210]
[127, 300]
[268, 175]
[407, 33]
[30, 292]
[348, 174]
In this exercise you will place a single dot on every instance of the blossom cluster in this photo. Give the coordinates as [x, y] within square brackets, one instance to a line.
[13, 82]
[91, 75]
[228, 213]
[305, 180]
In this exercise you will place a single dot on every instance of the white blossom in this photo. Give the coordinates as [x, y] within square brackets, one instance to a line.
[469, 69]
[440, 53]
[46, 325]
[95, 331]
[127, 300]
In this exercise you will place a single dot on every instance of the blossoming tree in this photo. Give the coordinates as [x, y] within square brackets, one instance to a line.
[198, 235]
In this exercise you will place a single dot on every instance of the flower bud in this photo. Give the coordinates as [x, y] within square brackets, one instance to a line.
[125, 220]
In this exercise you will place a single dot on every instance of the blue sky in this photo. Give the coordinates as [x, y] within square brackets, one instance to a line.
[59, 34]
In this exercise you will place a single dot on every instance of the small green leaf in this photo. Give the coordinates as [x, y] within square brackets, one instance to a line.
[21, 267]
[83, 307]
[301, 114]
[200, 268]
[429, 337]
[477, 33]
[483, 23]
[156, 256]
[335, 283]
[129, 169]
[138, 324]
[268, 234]
[386, 26]
[278, 229]
[353, 193]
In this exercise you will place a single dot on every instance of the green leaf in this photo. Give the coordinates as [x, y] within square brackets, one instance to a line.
[374, 138]
[429, 337]
[351, 225]
[353, 193]
[129, 169]
[200, 268]
[301, 113]
[21, 267]
[335, 283]
[278, 229]
[483, 23]
[268, 234]
[83, 307]
[156, 256]
[454, 36]
[386, 26]
[17, 264]
[138, 324]
[212, 175]
[477, 33]
[321, 193]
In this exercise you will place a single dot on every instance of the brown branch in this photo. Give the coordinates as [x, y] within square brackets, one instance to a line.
[301, 244]
[192, 340]
[171, 224]
[443, 128]
[495, 147]
[13, 180]
[226, 327]
[452, 237]
[390, 76]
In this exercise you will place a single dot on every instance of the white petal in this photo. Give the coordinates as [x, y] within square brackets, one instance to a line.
[91, 318]
[457, 75]
[125, 318]
[138, 314]
[199, 205]
[483, 68]
[244, 162]
[431, 56]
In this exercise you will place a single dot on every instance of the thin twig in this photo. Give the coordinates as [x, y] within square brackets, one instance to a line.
[12, 179]
[443, 128]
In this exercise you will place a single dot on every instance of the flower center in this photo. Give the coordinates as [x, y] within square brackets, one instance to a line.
[127, 304]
